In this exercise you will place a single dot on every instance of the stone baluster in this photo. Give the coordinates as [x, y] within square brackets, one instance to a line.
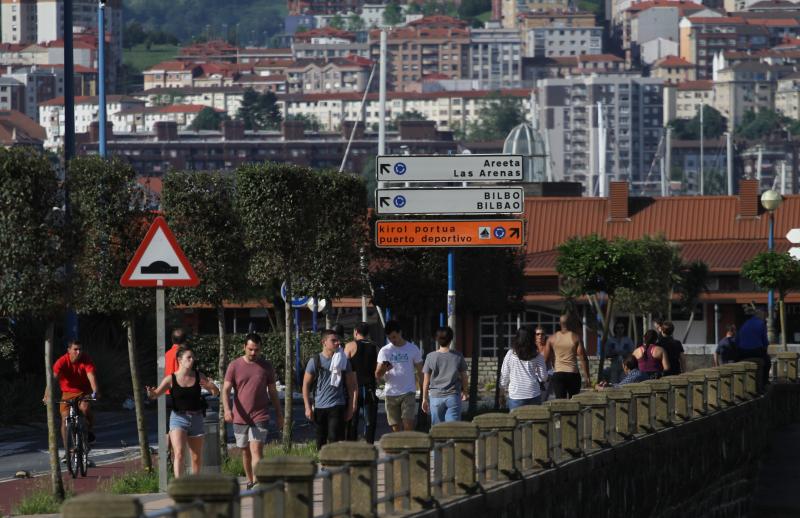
[660, 402]
[622, 400]
[680, 397]
[725, 385]
[787, 366]
[418, 445]
[464, 434]
[597, 402]
[219, 493]
[697, 381]
[102, 505]
[361, 457]
[568, 422]
[642, 397]
[739, 382]
[298, 476]
[713, 387]
[536, 437]
[751, 377]
[503, 443]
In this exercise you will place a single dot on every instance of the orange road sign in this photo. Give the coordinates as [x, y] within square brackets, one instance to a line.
[403, 233]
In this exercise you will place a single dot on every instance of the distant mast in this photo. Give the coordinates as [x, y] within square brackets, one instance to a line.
[601, 151]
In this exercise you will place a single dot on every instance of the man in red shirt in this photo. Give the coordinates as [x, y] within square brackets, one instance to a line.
[75, 373]
[170, 360]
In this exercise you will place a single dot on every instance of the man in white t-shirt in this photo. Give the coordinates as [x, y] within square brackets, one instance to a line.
[399, 363]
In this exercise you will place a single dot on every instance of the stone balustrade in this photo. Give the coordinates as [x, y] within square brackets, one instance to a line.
[599, 454]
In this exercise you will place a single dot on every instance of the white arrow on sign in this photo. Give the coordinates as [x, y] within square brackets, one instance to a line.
[449, 168]
[794, 236]
[468, 200]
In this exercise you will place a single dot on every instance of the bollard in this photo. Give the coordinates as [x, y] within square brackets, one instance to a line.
[211, 461]
[642, 395]
[503, 444]
[102, 505]
[713, 387]
[751, 377]
[725, 385]
[598, 408]
[697, 382]
[660, 402]
[464, 434]
[787, 366]
[621, 398]
[418, 445]
[298, 476]
[219, 493]
[568, 423]
[361, 476]
[536, 438]
[679, 386]
[739, 380]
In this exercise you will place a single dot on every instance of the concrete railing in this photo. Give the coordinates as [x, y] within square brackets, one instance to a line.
[659, 448]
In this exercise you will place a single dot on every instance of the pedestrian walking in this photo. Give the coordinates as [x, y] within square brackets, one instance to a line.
[543, 346]
[363, 354]
[252, 379]
[399, 363]
[618, 346]
[726, 350]
[651, 357]
[444, 383]
[179, 339]
[673, 348]
[524, 372]
[752, 342]
[186, 427]
[567, 349]
[330, 380]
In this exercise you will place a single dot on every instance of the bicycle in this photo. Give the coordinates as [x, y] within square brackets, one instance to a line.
[77, 446]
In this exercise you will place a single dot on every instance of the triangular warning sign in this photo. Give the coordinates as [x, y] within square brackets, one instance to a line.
[159, 261]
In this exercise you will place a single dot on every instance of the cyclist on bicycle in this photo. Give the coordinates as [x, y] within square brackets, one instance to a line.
[75, 373]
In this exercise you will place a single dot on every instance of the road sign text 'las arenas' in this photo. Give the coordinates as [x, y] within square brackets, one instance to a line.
[450, 168]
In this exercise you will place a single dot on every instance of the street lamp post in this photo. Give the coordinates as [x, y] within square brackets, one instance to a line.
[771, 200]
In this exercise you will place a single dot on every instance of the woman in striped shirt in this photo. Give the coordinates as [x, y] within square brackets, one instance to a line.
[523, 372]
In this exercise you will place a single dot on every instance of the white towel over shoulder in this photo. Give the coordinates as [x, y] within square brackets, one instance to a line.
[338, 366]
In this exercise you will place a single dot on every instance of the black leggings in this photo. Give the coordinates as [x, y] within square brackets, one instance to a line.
[565, 384]
[330, 424]
[368, 404]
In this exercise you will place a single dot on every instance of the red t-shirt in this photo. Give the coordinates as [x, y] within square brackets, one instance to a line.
[250, 397]
[72, 377]
[171, 361]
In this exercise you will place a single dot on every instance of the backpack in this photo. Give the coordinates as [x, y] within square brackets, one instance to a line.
[313, 389]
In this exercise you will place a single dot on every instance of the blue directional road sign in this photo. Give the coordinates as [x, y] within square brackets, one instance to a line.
[399, 168]
[499, 232]
[297, 301]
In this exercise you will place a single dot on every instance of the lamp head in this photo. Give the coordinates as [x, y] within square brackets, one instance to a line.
[771, 200]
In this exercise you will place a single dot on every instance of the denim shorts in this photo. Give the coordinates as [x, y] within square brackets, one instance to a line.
[189, 422]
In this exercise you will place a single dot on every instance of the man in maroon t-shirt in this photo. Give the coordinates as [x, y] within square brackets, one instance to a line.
[252, 379]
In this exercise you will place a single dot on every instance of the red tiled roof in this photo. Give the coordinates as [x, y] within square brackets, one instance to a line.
[682, 5]
[91, 99]
[773, 22]
[11, 47]
[717, 20]
[356, 96]
[695, 222]
[187, 108]
[695, 85]
[172, 66]
[673, 62]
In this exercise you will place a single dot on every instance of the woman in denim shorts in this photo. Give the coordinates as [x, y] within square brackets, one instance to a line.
[186, 418]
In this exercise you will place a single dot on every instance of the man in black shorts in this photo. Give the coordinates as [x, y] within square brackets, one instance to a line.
[363, 354]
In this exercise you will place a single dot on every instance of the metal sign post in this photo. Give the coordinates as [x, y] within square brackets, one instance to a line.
[159, 262]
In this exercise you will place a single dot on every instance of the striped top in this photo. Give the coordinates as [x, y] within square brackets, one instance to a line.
[521, 378]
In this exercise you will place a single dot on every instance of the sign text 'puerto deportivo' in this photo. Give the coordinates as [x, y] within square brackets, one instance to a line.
[404, 233]
[463, 200]
[450, 168]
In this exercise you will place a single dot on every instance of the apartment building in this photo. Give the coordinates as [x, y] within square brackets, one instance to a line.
[673, 70]
[746, 87]
[495, 58]
[431, 45]
[556, 18]
[653, 21]
[683, 100]
[510, 10]
[327, 43]
[143, 119]
[787, 96]
[632, 109]
[314, 7]
[348, 74]
[561, 41]
[18, 21]
[227, 98]
[51, 115]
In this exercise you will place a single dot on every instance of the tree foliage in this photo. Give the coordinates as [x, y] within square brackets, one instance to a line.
[336, 22]
[392, 14]
[310, 121]
[355, 23]
[762, 124]
[259, 110]
[773, 271]
[496, 118]
[714, 125]
[207, 119]
[660, 271]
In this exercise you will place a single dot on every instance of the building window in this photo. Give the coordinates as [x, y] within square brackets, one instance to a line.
[497, 331]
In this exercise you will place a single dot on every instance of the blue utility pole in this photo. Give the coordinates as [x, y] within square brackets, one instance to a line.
[101, 76]
[451, 294]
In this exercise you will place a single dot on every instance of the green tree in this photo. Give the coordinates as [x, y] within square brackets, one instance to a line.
[337, 22]
[496, 117]
[134, 34]
[775, 271]
[355, 23]
[199, 208]
[410, 115]
[273, 202]
[714, 125]
[595, 265]
[109, 214]
[392, 14]
[33, 255]
[762, 124]
[207, 119]
[310, 121]
[469, 10]
[259, 111]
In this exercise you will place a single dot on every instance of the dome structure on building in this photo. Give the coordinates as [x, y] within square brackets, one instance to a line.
[527, 141]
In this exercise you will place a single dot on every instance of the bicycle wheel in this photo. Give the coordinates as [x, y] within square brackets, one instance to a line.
[69, 450]
[84, 451]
